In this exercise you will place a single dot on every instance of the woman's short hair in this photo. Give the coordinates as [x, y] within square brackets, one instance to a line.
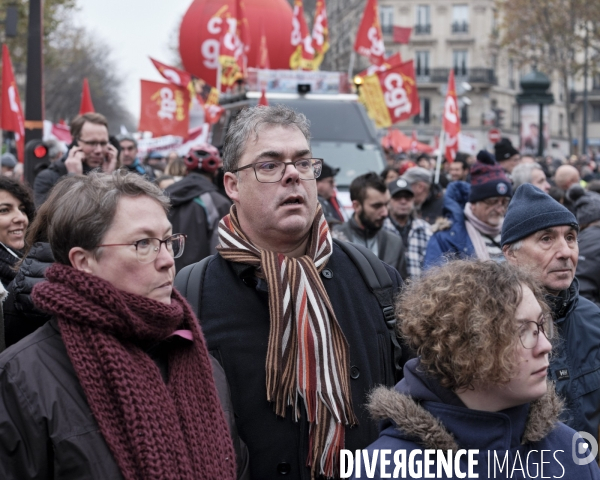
[460, 319]
[21, 193]
[86, 210]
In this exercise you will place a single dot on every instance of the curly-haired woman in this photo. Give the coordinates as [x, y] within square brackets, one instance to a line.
[479, 385]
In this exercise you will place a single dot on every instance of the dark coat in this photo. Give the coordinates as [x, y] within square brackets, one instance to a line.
[21, 317]
[419, 414]
[575, 361]
[47, 430]
[234, 313]
[192, 214]
[588, 267]
[388, 247]
[433, 205]
[47, 178]
[451, 239]
[7, 262]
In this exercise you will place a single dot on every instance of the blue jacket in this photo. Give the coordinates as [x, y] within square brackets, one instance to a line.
[451, 238]
[575, 360]
[419, 414]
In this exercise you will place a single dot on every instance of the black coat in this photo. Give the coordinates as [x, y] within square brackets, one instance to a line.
[21, 317]
[588, 267]
[7, 262]
[47, 430]
[192, 215]
[234, 314]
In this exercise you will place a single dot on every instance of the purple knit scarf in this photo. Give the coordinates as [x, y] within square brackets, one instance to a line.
[155, 431]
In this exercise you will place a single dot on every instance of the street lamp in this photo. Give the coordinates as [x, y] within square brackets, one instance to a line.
[535, 87]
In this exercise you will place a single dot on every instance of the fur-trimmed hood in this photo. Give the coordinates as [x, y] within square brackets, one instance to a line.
[418, 412]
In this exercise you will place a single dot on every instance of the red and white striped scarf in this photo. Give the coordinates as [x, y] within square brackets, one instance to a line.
[307, 355]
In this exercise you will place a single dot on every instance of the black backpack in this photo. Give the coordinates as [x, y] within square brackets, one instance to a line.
[189, 283]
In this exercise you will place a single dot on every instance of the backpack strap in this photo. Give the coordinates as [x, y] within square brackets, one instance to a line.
[188, 282]
[379, 282]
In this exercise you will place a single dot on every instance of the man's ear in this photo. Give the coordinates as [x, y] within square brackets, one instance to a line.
[509, 254]
[356, 206]
[230, 182]
[82, 259]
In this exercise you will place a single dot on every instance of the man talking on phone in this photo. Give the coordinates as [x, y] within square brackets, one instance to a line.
[89, 150]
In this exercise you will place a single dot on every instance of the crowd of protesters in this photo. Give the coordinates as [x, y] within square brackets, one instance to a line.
[221, 314]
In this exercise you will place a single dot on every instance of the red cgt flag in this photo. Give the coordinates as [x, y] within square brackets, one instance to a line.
[402, 34]
[165, 109]
[303, 53]
[320, 34]
[451, 120]
[390, 62]
[369, 39]
[12, 112]
[174, 75]
[86, 105]
[391, 96]
[263, 52]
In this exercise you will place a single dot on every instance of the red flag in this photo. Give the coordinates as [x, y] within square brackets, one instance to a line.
[320, 34]
[263, 99]
[369, 40]
[263, 52]
[243, 29]
[303, 52]
[390, 62]
[451, 121]
[391, 96]
[212, 113]
[12, 112]
[402, 34]
[86, 99]
[174, 75]
[165, 109]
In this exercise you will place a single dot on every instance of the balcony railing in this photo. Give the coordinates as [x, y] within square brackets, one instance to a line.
[471, 75]
[460, 27]
[422, 29]
[387, 29]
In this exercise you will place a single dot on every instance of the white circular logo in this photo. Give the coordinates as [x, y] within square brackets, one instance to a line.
[402, 183]
[501, 188]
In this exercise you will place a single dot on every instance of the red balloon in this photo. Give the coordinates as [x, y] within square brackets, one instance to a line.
[201, 29]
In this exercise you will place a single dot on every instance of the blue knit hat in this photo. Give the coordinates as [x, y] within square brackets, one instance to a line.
[530, 211]
[488, 179]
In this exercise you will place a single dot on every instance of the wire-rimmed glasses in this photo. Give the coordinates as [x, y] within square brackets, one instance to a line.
[272, 171]
[147, 249]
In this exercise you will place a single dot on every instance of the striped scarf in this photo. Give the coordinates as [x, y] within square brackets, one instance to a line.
[307, 355]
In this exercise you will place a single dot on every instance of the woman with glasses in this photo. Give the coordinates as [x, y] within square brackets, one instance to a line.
[483, 334]
[473, 215]
[119, 383]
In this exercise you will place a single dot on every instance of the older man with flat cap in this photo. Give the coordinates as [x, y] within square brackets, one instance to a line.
[540, 235]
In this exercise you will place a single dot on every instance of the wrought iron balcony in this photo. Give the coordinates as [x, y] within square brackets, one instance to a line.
[470, 75]
[422, 29]
[460, 27]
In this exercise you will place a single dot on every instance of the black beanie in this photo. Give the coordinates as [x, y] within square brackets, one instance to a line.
[488, 179]
[504, 149]
[530, 211]
[587, 204]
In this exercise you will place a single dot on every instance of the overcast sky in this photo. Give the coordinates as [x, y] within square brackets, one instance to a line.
[134, 29]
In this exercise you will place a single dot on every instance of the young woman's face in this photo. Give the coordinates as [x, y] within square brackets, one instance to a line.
[529, 382]
[13, 221]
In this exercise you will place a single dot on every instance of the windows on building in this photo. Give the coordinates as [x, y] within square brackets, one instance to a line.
[464, 114]
[423, 25]
[595, 113]
[460, 18]
[386, 16]
[459, 63]
[511, 74]
[423, 116]
[421, 63]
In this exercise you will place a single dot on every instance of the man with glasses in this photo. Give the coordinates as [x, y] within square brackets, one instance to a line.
[540, 235]
[300, 335]
[90, 150]
[473, 215]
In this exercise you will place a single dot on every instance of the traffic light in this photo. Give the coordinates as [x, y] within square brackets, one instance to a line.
[36, 159]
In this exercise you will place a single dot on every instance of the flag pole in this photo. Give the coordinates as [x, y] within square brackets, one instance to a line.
[219, 72]
[351, 66]
[438, 163]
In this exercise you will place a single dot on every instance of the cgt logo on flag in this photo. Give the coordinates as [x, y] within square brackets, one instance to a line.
[165, 109]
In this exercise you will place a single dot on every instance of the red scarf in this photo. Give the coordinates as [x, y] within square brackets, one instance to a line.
[154, 431]
[307, 356]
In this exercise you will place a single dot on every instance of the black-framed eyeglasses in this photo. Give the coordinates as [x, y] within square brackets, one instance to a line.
[93, 144]
[272, 171]
[147, 249]
[529, 333]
